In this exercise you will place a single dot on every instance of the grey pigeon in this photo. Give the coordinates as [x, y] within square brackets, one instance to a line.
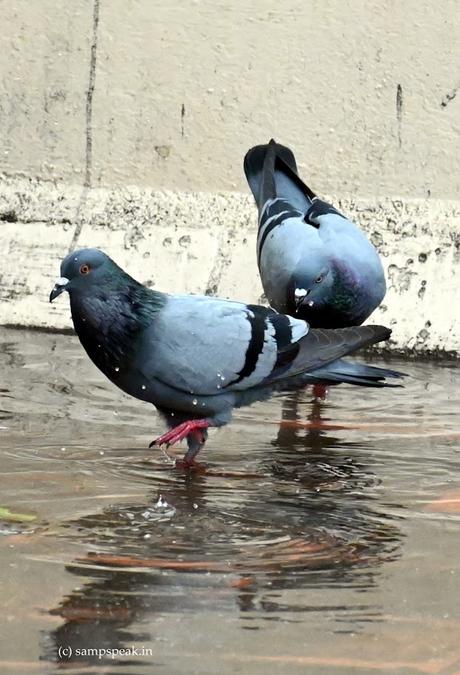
[314, 263]
[196, 358]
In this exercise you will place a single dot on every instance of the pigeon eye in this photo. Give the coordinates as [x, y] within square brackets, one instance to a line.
[319, 279]
[84, 269]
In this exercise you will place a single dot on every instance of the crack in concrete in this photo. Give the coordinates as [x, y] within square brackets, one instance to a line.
[399, 112]
[89, 126]
[89, 97]
[182, 119]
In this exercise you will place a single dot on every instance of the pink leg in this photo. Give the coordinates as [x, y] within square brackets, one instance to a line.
[320, 392]
[176, 434]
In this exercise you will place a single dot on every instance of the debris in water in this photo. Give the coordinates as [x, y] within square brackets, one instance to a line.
[6, 514]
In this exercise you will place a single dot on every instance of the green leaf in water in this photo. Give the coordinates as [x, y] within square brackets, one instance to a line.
[5, 514]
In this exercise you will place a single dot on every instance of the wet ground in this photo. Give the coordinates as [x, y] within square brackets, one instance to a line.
[323, 538]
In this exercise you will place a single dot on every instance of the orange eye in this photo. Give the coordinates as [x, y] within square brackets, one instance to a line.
[84, 269]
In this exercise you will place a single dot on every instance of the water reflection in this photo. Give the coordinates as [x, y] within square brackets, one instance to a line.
[302, 521]
[295, 524]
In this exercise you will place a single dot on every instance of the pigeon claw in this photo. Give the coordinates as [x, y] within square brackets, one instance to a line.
[180, 432]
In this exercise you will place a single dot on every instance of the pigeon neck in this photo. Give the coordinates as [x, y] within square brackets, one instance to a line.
[350, 297]
[109, 322]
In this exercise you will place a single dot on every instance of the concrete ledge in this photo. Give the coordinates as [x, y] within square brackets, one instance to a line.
[205, 243]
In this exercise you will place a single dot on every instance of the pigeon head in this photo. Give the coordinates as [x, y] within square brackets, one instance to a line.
[83, 269]
[311, 286]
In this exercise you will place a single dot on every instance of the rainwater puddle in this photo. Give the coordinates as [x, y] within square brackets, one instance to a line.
[323, 537]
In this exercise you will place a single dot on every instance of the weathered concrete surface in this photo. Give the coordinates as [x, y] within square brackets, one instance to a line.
[172, 94]
[44, 66]
[205, 243]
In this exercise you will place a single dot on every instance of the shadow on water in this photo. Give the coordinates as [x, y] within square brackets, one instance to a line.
[220, 542]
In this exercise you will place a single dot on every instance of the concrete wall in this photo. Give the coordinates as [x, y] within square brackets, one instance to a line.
[97, 95]
[203, 242]
[365, 91]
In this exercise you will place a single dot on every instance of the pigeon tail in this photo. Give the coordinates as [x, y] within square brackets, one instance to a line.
[321, 350]
[271, 172]
[357, 373]
[259, 167]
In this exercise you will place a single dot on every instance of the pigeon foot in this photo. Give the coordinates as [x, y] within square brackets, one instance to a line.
[190, 465]
[180, 432]
[320, 392]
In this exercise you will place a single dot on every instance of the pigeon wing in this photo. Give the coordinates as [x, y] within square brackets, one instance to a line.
[206, 346]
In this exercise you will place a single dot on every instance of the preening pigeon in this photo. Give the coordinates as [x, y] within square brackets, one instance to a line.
[314, 263]
[196, 358]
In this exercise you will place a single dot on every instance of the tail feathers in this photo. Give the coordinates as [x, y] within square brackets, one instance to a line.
[285, 154]
[321, 347]
[271, 172]
[255, 162]
[320, 352]
[374, 372]
[357, 373]
[267, 190]
[291, 187]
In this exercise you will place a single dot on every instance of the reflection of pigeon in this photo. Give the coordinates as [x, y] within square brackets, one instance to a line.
[196, 358]
[314, 262]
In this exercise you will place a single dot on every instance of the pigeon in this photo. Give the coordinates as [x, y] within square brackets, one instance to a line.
[314, 263]
[198, 357]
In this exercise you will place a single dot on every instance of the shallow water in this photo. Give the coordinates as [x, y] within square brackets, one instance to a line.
[322, 538]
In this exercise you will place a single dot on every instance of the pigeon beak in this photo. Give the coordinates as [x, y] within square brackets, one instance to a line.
[299, 296]
[59, 287]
